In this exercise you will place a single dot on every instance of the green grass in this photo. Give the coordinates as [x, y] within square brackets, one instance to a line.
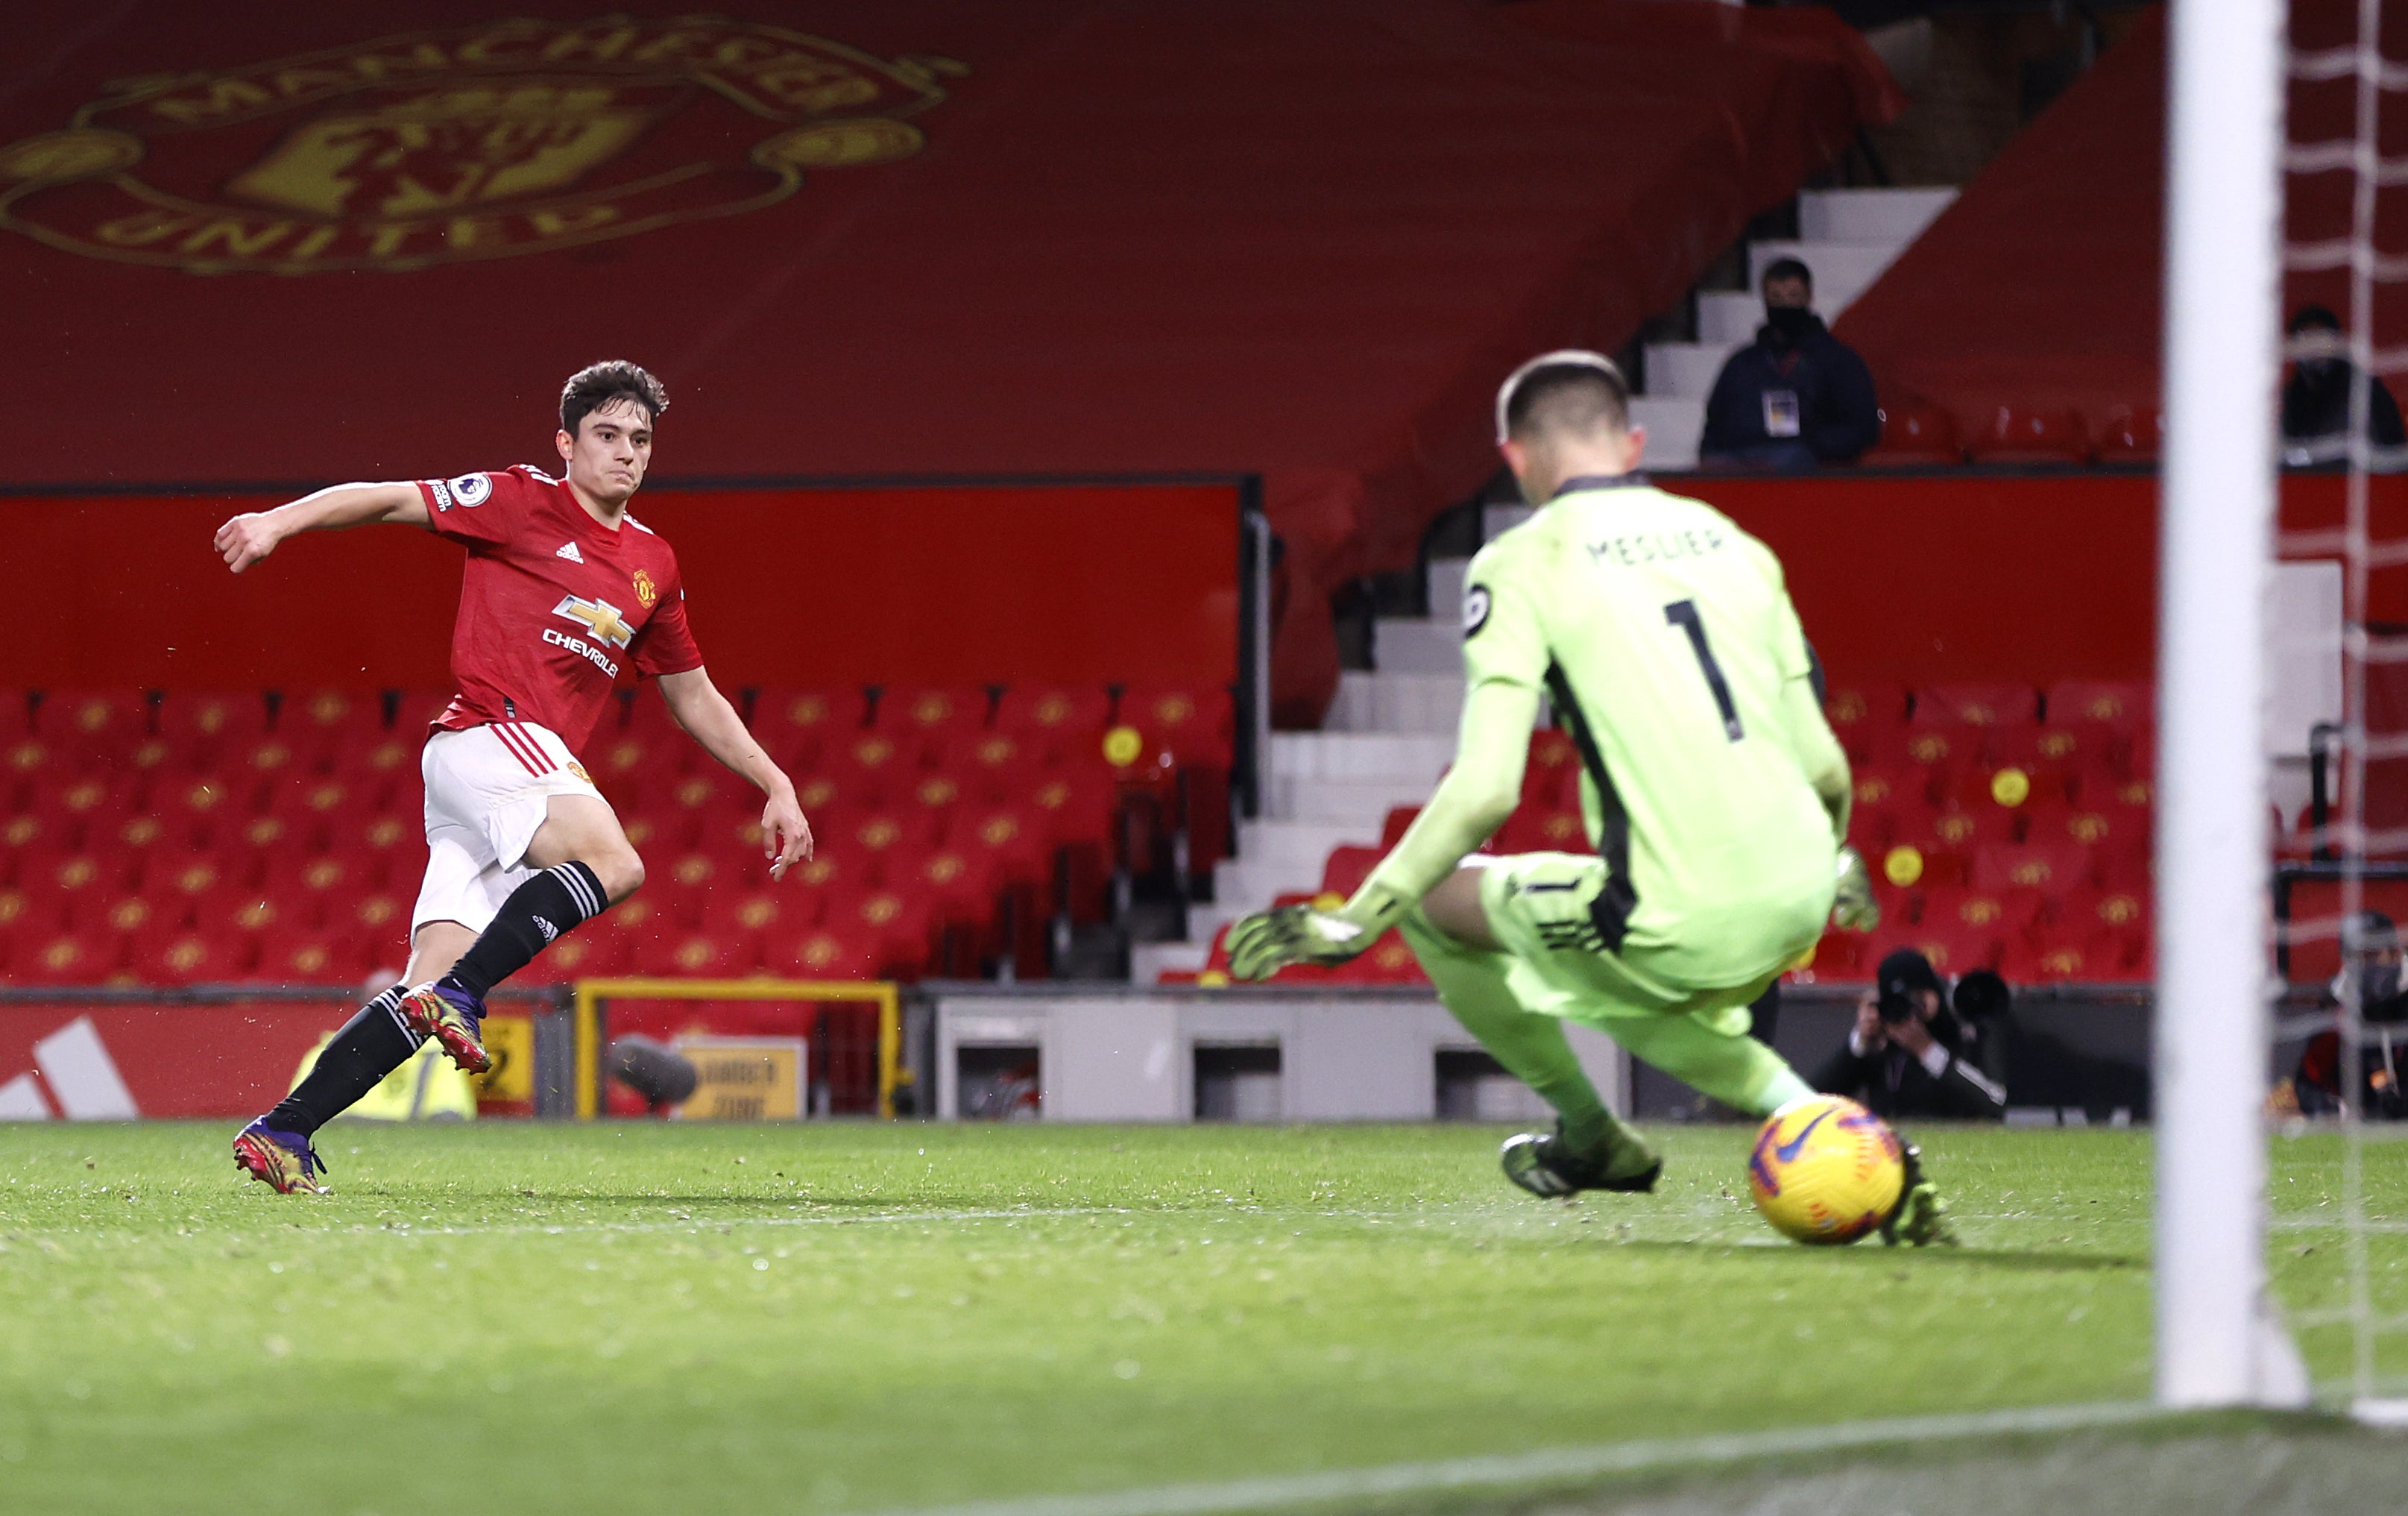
[838, 1317]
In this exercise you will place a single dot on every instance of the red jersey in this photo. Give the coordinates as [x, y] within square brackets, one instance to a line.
[554, 604]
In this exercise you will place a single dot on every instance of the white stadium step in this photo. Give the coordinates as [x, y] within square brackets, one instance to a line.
[1359, 757]
[1414, 645]
[1422, 703]
[1445, 581]
[1687, 369]
[1673, 424]
[1896, 217]
[1729, 317]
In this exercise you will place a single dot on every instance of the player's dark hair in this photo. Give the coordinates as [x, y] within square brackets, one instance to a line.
[599, 384]
[1787, 268]
[1577, 397]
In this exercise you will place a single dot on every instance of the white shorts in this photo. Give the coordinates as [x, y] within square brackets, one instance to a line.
[487, 790]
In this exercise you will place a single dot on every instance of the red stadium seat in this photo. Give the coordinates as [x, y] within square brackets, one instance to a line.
[313, 891]
[1856, 710]
[2132, 434]
[1551, 778]
[932, 718]
[379, 920]
[1928, 747]
[310, 957]
[1952, 946]
[1076, 802]
[1016, 841]
[2124, 707]
[825, 953]
[996, 769]
[2054, 868]
[933, 803]
[1346, 869]
[1392, 830]
[1915, 435]
[327, 721]
[178, 887]
[2020, 434]
[1055, 722]
[188, 957]
[696, 955]
[94, 721]
[1976, 705]
[85, 956]
[1840, 956]
[1178, 726]
[2010, 913]
[197, 724]
[2010, 786]
[797, 725]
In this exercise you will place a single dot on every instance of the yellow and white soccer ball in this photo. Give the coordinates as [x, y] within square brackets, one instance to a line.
[1825, 1170]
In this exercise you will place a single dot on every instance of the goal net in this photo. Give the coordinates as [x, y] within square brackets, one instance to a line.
[2282, 1242]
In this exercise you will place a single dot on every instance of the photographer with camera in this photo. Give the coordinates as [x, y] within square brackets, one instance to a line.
[2371, 952]
[1912, 1054]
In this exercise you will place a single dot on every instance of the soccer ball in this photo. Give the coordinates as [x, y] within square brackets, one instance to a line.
[1825, 1170]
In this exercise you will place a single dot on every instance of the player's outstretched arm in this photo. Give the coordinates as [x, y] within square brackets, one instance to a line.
[709, 719]
[251, 536]
[1474, 798]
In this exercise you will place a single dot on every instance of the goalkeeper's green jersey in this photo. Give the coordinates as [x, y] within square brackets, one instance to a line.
[1664, 637]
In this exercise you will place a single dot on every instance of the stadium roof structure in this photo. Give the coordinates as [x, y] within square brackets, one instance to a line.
[921, 237]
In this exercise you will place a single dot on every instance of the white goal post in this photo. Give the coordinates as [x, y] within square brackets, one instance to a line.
[2217, 1341]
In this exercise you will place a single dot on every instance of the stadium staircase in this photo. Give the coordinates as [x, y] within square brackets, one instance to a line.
[1848, 238]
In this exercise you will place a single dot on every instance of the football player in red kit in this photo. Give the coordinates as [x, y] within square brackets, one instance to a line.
[563, 589]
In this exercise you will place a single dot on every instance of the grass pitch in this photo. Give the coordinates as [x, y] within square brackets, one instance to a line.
[841, 1316]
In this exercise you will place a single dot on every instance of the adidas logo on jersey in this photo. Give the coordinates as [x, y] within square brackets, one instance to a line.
[568, 550]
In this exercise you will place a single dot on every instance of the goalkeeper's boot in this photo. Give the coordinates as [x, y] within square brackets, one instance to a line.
[1920, 1219]
[1546, 1164]
[451, 1016]
[283, 1160]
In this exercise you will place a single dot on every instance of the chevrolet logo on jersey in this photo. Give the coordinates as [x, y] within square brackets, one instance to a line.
[600, 617]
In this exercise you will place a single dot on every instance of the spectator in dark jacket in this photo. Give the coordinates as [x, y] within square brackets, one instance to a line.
[2316, 398]
[1798, 396]
[1911, 1054]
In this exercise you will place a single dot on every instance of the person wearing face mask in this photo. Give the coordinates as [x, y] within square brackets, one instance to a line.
[2316, 397]
[2371, 952]
[1798, 397]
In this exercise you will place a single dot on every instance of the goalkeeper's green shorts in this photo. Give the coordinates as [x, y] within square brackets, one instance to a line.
[1541, 907]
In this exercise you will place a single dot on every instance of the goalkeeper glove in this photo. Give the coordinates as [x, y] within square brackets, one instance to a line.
[1268, 940]
[1853, 906]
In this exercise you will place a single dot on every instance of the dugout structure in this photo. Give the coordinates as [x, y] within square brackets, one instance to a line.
[589, 1001]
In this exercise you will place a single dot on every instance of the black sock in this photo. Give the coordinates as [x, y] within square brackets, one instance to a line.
[370, 1045]
[552, 903]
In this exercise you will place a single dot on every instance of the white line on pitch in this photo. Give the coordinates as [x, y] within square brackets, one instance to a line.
[1549, 1466]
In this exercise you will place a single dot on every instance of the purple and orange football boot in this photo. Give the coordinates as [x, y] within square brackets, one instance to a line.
[451, 1016]
[283, 1160]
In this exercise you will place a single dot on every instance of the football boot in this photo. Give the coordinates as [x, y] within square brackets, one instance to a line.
[452, 1018]
[1546, 1165]
[1920, 1218]
[281, 1160]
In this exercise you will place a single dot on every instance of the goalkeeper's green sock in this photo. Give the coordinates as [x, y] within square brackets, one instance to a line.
[1737, 1070]
[1531, 1046]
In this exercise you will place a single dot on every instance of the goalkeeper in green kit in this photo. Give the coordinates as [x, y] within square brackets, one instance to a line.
[1711, 785]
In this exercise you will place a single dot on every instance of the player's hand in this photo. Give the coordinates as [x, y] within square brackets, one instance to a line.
[247, 539]
[1263, 943]
[1853, 906]
[785, 836]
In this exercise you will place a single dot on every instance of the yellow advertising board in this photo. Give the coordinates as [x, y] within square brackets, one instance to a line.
[745, 1079]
